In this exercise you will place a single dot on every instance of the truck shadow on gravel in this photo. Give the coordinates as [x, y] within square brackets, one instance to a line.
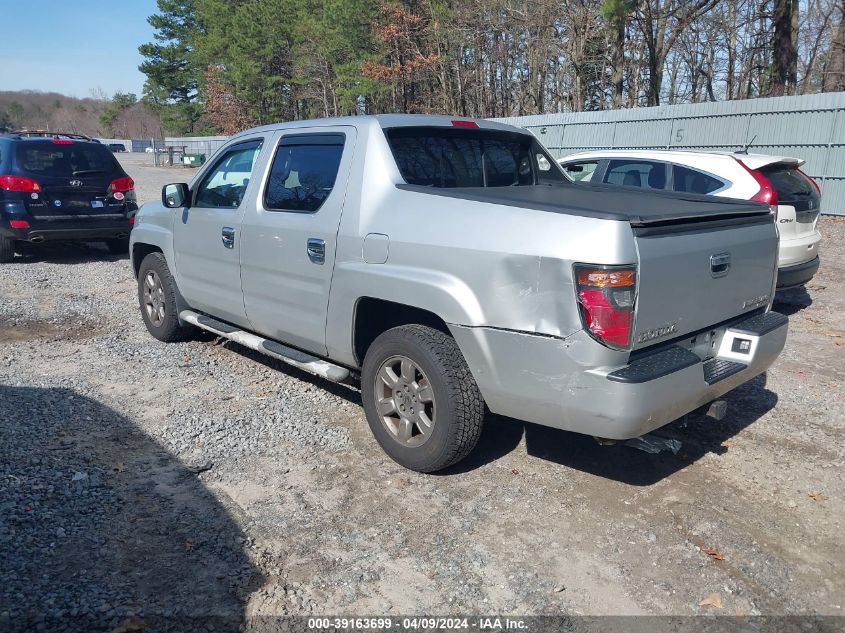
[698, 434]
[792, 301]
[101, 529]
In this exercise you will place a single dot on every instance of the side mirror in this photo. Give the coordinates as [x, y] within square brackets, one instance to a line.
[176, 195]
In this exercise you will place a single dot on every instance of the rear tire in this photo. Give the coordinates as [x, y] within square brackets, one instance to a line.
[421, 401]
[7, 249]
[157, 298]
[118, 246]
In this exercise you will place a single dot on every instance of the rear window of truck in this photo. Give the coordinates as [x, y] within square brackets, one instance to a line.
[470, 157]
[72, 159]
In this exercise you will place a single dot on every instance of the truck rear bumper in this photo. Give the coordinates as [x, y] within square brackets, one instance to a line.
[545, 380]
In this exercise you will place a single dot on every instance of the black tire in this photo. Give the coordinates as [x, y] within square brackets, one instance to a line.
[169, 329]
[460, 411]
[119, 246]
[7, 249]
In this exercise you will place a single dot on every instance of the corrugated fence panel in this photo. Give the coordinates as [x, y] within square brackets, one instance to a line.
[645, 134]
[811, 127]
[790, 128]
[700, 132]
[596, 135]
[833, 191]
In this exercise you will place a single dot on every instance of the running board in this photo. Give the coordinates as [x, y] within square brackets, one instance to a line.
[303, 361]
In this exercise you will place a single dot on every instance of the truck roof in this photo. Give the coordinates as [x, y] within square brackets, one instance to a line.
[386, 121]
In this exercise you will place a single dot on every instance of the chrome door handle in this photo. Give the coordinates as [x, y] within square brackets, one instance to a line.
[720, 264]
[228, 237]
[316, 250]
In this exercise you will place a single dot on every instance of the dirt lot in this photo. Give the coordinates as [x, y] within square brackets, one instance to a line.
[138, 478]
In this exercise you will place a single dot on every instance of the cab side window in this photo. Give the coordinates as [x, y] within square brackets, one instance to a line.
[225, 184]
[629, 173]
[692, 181]
[304, 172]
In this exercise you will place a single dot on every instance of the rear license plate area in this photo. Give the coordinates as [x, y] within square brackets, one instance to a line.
[738, 346]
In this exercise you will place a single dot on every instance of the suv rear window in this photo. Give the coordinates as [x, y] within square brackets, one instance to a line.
[791, 185]
[54, 159]
[470, 157]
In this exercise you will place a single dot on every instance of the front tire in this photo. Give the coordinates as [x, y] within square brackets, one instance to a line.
[157, 299]
[7, 249]
[421, 401]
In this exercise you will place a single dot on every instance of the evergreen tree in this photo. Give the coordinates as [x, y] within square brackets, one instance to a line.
[172, 78]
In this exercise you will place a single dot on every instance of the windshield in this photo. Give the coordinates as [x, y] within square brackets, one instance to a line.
[470, 157]
[73, 159]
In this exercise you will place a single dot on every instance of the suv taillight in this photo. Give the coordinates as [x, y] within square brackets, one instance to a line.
[122, 185]
[18, 183]
[767, 192]
[607, 295]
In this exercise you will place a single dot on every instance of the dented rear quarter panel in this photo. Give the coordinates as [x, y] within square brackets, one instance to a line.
[474, 264]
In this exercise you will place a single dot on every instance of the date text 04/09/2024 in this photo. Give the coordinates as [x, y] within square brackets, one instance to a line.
[491, 623]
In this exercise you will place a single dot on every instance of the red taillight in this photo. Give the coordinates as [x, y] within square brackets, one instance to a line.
[19, 224]
[464, 124]
[122, 185]
[814, 183]
[62, 141]
[132, 219]
[767, 192]
[18, 183]
[606, 296]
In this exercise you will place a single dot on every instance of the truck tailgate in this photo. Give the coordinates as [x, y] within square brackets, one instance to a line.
[695, 275]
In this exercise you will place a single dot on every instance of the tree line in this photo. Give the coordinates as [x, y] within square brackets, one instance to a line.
[225, 65]
[122, 115]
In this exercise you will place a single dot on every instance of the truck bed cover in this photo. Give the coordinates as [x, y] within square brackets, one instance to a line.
[638, 207]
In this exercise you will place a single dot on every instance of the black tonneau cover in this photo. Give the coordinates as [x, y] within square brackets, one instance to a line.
[641, 208]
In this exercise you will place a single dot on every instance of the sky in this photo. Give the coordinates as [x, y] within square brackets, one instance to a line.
[74, 46]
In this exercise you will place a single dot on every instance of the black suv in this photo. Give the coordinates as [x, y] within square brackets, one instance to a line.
[62, 188]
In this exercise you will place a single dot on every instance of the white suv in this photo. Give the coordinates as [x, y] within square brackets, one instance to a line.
[775, 180]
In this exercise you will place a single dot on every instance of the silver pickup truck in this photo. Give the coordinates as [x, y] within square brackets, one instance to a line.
[452, 268]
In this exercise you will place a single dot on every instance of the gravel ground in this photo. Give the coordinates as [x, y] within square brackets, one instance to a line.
[141, 483]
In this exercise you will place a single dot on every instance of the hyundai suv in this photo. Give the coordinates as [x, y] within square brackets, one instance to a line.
[62, 188]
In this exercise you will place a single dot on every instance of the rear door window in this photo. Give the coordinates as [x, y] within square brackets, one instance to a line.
[304, 172]
[64, 159]
[693, 181]
[630, 173]
[581, 171]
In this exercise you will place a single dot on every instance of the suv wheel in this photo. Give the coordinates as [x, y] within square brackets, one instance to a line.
[7, 249]
[118, 246]
[421, 401]
[157, 300]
